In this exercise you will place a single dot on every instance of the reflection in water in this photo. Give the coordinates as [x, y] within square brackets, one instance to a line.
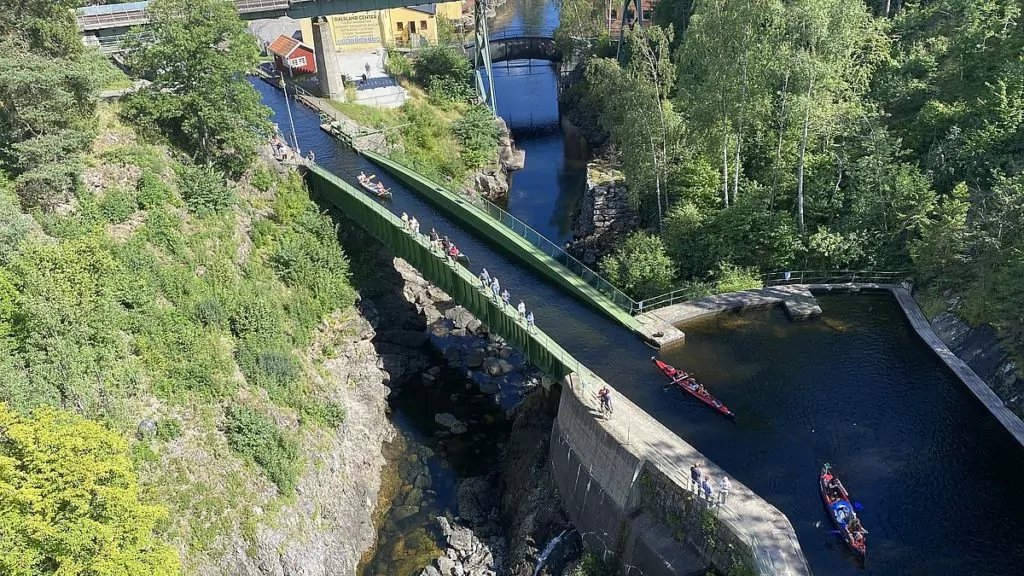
[550, 187]
[857, 389]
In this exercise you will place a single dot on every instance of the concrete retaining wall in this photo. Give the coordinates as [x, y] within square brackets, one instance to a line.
[625, 482]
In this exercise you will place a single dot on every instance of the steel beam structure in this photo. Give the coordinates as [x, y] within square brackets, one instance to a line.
[482, 56]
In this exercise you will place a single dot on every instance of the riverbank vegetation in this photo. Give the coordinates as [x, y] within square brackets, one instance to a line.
[822, 134]
[438, 131]
[160, 287]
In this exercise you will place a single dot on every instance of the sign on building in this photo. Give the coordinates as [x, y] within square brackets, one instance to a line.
[357, 31]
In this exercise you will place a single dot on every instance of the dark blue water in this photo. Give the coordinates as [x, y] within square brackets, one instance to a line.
[551, 185]
[932, 468]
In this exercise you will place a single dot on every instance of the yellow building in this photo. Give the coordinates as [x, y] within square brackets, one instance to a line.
[405, 26]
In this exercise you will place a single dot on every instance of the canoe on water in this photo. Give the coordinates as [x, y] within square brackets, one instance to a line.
[689, 385]
[371, 188]
[841, 511]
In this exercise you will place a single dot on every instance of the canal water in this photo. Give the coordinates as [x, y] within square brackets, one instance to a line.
[855, 388]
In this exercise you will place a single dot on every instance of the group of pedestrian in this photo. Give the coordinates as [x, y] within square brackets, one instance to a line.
[444, 246]
[410, 224]
[502, 298]
[702, 485]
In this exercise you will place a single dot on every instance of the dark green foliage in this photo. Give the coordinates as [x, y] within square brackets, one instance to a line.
[210, 312]
[168, 429]
[204, 189]
[326, 414]
[258, 439]
[153, 192]
[118, 204]
[589, 565]
[639, 266]
[477, 132]
[203, 102]
[446, 74]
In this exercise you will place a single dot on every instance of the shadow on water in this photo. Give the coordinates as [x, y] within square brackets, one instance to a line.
[935, 472]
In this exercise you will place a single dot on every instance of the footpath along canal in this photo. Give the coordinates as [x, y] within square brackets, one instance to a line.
[856, 388]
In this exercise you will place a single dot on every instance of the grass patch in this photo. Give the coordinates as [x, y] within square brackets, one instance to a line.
[259, 440]
[368, 116]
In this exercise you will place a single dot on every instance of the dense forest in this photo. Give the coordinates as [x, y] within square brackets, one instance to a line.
[762, 135]
[160, 287]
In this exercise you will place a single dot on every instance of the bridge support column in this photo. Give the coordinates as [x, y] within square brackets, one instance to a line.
[332, 86]
[482, 56]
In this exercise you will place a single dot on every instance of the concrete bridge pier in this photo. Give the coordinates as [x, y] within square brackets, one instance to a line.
[332, 87]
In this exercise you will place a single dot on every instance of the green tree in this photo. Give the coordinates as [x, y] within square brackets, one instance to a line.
[445, 73]
[47, 98]
[639, 266]
[197, 59]
[70, 502]
[940, 250]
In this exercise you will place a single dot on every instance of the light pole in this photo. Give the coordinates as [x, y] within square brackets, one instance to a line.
[288, 106]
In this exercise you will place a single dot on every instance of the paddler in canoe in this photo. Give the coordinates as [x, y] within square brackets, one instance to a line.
[378, 188]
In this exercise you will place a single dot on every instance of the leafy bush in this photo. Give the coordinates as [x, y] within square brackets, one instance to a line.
[13, 224]
[152, 191]
[64, 482]
[204, 189]
[258, 439]
[257, 312]
[326, 414]
[731, 278]
[445, 73]
[639, 266]
[398, 64]
[262, 178]
[118, 204]
[478, 134]
[589, 565]
[210, 312]
[168, 429]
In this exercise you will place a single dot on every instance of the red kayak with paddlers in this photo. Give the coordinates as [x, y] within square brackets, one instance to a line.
[841, 511]
[690, 385]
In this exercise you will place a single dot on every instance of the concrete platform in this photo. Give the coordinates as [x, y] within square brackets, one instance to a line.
[599, 464]
[796, 300]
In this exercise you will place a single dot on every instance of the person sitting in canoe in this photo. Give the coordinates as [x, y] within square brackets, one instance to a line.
[701, 390]
[380, 187]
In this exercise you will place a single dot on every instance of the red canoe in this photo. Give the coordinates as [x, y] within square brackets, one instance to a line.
[841, 511]
[689, 385]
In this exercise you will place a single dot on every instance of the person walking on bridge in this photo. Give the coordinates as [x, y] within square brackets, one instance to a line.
[695, 476]
[485, 280]
[496, 289]
[723, 487]
[529, 322]
[405, 221]
[414, 225]
[504, 298]
[705, 484]
[521, 311]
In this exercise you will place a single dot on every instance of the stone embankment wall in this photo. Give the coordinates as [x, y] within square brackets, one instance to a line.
[980, 348]
[625, 484]
[605, 216]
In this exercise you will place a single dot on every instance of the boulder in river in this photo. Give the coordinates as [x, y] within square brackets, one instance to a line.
[475, 359]
[488, 386]
[459, 316]
[451, 354]
[492, 366]
[450, 422]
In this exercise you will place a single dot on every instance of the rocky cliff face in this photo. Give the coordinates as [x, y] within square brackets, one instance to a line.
[328, 525]
[979, 347]
[605, 216]
[493, 182]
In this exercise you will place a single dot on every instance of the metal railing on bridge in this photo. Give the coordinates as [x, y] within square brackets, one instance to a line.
[538, 240]
[692, 292]
[683, 294]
